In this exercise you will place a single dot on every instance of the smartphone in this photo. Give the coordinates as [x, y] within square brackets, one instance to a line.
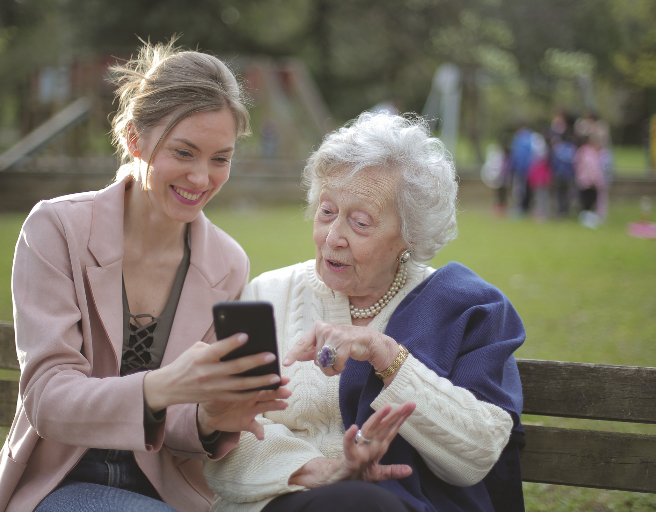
[256, 320]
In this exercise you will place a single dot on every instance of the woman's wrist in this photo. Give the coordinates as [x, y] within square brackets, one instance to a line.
[384, 353]
[396, 364]
[316, 472]
[204, 429]
[154, 389]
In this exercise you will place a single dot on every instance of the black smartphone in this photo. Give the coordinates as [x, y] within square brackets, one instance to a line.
[256, 320]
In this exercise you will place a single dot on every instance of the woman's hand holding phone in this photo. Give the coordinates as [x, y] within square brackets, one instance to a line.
[240, 416]
[200, 376]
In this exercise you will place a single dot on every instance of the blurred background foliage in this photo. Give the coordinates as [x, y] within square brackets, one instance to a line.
[520, 60]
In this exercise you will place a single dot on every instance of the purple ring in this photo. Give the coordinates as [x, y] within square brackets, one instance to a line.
[327, 356]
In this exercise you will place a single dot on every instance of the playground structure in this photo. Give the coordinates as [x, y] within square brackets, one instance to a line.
[289, 117]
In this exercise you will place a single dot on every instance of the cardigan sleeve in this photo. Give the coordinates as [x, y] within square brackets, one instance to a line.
[256, 470]
[459, 437]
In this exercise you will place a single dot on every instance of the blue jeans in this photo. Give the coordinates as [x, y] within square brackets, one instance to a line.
[105, 481]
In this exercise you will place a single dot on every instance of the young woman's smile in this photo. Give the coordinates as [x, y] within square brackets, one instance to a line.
[190, 165]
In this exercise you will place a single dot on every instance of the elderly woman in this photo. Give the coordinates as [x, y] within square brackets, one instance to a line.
[366, 327]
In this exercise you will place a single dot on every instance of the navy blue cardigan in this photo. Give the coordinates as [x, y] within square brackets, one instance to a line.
[465, 330]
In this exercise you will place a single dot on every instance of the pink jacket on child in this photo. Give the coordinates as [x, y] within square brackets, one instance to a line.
[68, 312]
[588, 170]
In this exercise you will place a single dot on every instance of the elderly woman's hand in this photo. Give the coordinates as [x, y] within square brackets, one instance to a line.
[359, 343]
[360, 461]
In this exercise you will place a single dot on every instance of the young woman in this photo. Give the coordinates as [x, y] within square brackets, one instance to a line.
[119, 401]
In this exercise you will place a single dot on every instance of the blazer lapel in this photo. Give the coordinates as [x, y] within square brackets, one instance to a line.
[106, 245]
[201, 289]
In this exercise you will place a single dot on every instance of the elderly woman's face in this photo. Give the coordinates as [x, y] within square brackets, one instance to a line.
[357, 232]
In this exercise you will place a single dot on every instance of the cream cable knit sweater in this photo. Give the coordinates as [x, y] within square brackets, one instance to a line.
[459, 437]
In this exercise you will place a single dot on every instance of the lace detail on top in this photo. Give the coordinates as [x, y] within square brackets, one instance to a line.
[137, 355]
[144, 336]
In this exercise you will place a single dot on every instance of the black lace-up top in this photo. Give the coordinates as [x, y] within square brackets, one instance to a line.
[144, 336]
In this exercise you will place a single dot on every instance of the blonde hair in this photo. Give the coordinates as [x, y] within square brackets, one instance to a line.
[427, 192]
[166, 81]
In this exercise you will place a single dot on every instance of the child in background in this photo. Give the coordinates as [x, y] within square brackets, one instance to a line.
[589, 178]
[539, 176]
[562, 165]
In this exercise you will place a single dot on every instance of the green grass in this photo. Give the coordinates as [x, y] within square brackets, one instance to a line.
[9, 374]
[272, 237]
[631, 161]
[559, 498]
[583, 295]
[10, 224]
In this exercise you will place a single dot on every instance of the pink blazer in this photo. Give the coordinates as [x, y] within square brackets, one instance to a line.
[66, 286]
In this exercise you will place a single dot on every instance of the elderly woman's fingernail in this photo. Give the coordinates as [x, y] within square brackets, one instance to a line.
[269, 358]
[242, 338]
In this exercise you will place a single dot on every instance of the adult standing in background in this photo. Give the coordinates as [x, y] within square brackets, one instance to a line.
[119, 401]
[520, 161]
[562, 164]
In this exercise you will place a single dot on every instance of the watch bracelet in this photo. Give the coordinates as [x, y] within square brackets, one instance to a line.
[396, 364]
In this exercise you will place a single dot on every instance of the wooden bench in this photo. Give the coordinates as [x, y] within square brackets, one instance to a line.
[563, 456]
[589, 458]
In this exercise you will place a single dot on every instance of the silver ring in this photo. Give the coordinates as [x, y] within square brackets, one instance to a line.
[327, 356]
[359, 438]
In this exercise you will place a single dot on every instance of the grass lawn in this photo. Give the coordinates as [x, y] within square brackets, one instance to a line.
[583, 295]
[10, 224]
[631, 161]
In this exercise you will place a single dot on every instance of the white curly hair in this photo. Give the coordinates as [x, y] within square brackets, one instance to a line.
[426, 196]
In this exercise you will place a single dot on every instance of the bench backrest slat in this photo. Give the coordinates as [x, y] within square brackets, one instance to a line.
[593, 391]
[589, 458]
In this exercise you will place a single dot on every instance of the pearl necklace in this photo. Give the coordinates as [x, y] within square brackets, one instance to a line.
[397, 284]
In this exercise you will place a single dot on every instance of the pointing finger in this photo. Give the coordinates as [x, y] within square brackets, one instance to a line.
[304, 350]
